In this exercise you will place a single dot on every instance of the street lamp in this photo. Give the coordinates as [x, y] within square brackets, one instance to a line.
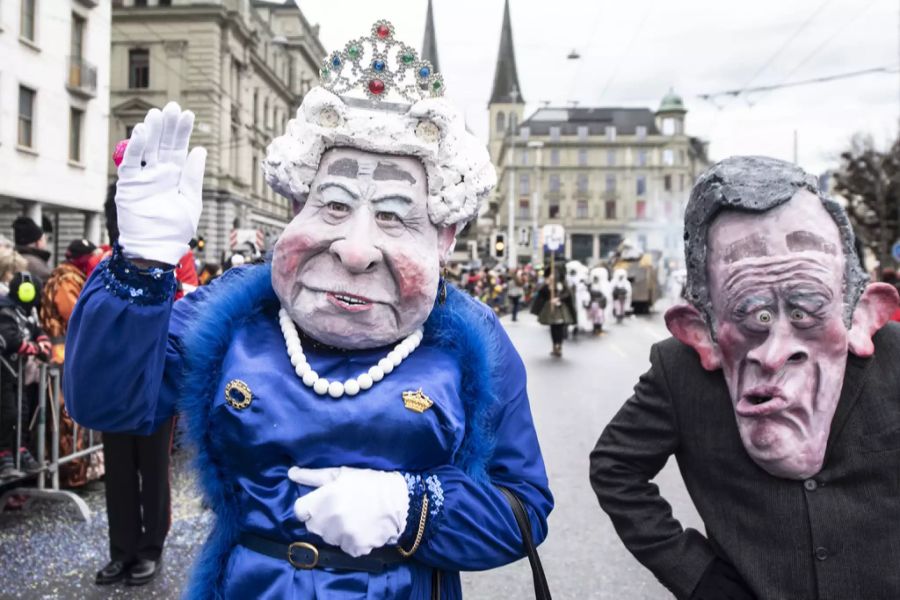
[536, 247]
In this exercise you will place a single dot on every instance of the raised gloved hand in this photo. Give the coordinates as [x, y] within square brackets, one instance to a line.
[158, 194]
[356, 509]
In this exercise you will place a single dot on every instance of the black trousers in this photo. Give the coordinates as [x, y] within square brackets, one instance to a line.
[515, 300]
[9, 412]
[137, 492]
[558, 333]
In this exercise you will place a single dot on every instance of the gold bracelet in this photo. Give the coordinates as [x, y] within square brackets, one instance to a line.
[422, 518]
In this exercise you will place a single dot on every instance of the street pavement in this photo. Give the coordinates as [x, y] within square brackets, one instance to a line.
[46, 553]
[572, 399]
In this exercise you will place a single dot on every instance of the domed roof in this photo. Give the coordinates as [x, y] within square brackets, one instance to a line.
[672, 102]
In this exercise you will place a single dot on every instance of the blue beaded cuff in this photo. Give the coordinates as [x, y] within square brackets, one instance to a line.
[418, 486]
[139, 286]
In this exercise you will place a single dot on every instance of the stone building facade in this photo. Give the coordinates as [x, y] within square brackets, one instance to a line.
[243, 67]
[53, 116]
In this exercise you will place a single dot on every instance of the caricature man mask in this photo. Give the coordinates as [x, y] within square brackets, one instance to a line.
[359, 265]
[776, 285]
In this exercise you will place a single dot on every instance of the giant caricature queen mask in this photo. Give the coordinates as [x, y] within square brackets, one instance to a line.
[776, 282]
[359, 265]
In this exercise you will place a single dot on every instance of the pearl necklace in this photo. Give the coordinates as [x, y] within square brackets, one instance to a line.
[351, 387]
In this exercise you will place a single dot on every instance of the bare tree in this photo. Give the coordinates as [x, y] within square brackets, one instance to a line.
[870, 181]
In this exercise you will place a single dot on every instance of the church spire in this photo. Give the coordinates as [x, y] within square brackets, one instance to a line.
[429, 44]
[506, 78]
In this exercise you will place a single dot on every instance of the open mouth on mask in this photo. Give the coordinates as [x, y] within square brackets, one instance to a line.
[761, 401]
[349, 302]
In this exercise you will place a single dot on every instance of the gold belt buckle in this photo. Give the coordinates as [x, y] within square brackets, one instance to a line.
[299, 565]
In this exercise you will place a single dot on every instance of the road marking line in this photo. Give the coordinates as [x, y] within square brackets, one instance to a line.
[653, 333]
[618, 350]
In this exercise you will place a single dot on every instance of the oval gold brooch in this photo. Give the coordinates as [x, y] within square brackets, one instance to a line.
[237, 394]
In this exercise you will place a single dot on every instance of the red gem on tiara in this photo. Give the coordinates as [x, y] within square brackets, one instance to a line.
[383, 31]
[376, 86]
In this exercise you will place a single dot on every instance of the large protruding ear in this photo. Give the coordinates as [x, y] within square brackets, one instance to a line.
[446, 242]
[875, 307]
[687, 325]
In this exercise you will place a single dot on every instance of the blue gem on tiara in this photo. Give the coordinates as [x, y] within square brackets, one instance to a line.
[380, 67]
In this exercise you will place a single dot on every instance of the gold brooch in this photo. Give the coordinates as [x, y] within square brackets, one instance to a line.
[417, 401]
[237, 394]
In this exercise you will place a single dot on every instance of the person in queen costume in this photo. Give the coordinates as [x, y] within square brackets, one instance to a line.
[354, 416]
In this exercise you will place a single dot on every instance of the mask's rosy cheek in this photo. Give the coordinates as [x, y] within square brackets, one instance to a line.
[415, 275]
[291, 250]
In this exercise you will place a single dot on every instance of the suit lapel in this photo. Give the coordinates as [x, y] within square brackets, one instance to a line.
[854, 381]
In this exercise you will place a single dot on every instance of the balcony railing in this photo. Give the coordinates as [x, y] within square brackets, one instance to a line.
[82, 77]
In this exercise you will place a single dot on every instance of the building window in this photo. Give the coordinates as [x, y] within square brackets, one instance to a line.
[235, 143]
[76, 119]
[553, 208]
[641, 132]
[681, 182]
[554, 182]
[554, 157]
[640, 209]
[524, 209]
[610, 183]
[681, 157]
[667, 183]
[641, 185]
[611, 133]
[523, 157]
[581, 184]
[581, 209]
[611, 157]
[26, 116]
[499, 122]
[27, 20]
[582, 157]
[77, 42]
[140, 2]
[524, 132]
[524, 183]
[128, 130]
[256, 108]
[266, 113]
[254, 175]
[139, 68]
[610, 210]
[668, 126]
[554, 134]
[642, 158]
[669, 209]
[668, 157]
[165, 2]
[582, 133]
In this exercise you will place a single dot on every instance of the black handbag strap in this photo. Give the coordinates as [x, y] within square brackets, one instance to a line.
[541, 588]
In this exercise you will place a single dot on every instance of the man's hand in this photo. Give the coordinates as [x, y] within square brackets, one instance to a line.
[158, 195]
[721, 581]
[356, 509]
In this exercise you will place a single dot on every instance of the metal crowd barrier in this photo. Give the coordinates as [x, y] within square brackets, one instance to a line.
[47, 485]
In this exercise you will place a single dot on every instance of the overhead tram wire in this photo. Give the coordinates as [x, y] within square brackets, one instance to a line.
[627, 47]
[787, 42]
[843, 26]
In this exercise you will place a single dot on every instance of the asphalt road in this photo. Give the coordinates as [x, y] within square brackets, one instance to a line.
[46, 553]
[572, 399]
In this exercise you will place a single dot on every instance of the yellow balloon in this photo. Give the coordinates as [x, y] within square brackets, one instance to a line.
[27, 292]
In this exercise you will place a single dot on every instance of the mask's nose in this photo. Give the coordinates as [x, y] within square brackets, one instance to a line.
[780, 348]
[357, 251]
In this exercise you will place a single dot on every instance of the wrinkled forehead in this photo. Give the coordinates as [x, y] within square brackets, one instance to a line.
[801, 225]
[352, 163]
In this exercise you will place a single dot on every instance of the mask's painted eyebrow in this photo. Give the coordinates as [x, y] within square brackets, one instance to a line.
[335, 184]
[386, 171]
[344, 167]
[798, 241]
[752, 245]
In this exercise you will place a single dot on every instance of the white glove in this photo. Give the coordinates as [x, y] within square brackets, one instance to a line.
[356, 509]
[159, 203]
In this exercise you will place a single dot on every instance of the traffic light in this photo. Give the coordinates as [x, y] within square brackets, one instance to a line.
[201, 244]
[499, 245]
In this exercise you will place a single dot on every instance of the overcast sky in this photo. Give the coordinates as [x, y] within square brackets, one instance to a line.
[633, 52]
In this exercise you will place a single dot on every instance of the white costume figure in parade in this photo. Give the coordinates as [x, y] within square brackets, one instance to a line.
[621, 291]
[576, 279]
[601, 297]
[353, 415]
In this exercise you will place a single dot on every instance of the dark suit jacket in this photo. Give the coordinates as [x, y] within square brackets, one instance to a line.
[833, 537]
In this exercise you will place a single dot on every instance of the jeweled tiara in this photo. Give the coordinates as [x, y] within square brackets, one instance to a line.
[379, 65]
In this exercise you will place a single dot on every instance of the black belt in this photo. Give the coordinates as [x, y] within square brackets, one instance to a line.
[303, 555]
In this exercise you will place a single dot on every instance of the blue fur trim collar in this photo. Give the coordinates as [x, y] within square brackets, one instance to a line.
[461, 325]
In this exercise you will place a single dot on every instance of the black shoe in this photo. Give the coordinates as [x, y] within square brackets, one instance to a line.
[28, 463]
[115, 571]
[142, 571]
[8, 468]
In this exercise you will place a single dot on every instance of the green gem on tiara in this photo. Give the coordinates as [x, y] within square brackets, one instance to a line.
[407, 58]
[353, 51]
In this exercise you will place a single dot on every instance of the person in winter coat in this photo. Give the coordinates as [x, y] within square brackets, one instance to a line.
[31, 243]
[555, 307]
[20, 337]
